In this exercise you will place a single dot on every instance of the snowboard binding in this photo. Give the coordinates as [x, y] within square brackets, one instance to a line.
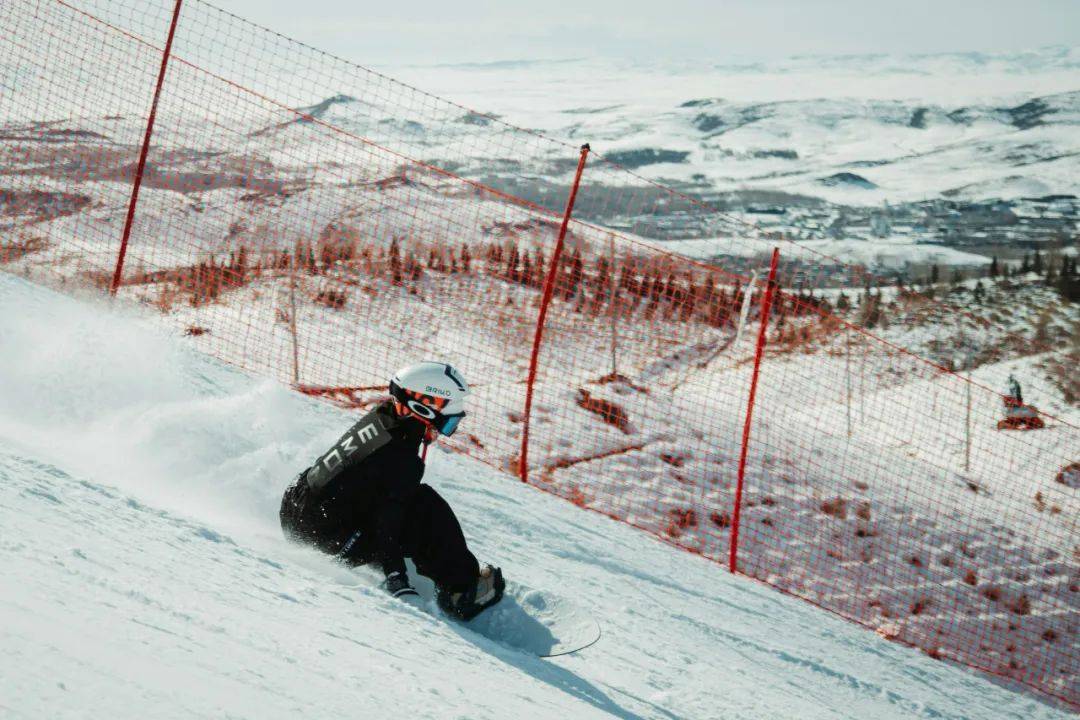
[466, 605]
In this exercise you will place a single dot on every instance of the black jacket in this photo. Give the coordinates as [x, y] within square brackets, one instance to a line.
[356, 488]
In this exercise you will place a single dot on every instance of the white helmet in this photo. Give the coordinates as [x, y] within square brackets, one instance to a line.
[432, 391]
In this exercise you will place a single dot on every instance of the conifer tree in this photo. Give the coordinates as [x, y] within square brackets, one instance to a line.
[513, 270]
[395, 263]
[413, 270]
[1068, 282]
[627, 283]
[574, 274]
[539, 270]
[526, 270]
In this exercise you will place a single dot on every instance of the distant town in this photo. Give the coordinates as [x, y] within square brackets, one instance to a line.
[1007, 228]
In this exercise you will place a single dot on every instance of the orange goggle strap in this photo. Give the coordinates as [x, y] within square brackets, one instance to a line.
[438, 403]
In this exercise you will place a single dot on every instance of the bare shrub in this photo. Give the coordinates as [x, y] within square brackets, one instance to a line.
[20, 248]
[836, 507]
[608, 411]
[333, 299]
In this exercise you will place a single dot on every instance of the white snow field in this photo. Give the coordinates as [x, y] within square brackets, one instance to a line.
[143, 574]
[915, 126]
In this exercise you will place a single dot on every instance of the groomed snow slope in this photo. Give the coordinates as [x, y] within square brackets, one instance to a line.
[143, 573]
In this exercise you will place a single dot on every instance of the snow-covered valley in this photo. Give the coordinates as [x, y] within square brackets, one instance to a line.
[969, 126]
[892, 162]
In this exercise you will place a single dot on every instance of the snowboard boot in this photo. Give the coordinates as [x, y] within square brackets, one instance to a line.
[467, 604]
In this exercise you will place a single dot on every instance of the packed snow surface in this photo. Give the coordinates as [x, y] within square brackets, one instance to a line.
[144, 574]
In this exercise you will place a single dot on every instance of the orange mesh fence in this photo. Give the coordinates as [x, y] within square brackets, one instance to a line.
[322, 224]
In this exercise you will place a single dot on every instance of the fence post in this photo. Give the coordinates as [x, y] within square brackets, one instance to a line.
[847, 375]
[549, 288]
[766, 305]
[614, 313]
[292, 325]
[967, 416]
[143, 153]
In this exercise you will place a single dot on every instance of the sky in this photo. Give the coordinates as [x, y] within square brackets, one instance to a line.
[437, 31]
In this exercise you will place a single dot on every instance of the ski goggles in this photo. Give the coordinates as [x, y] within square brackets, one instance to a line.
[447, 424]
[420, 405]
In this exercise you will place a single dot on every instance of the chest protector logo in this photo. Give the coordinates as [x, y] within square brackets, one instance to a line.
[365, 437]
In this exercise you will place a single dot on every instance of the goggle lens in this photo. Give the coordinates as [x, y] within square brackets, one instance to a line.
[449, 425]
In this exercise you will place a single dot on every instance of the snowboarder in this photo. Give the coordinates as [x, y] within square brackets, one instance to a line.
[1014, 390]
[1018, 416]
[363, 500]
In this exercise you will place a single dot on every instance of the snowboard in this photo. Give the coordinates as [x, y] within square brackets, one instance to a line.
[536, 622]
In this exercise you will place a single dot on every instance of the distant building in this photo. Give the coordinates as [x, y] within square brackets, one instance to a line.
[880, 225]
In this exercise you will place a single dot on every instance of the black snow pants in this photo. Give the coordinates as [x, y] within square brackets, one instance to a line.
[431, 537]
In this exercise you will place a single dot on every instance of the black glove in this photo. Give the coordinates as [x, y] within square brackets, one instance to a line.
[397, 584]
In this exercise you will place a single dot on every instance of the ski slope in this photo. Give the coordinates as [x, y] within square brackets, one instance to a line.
[142, 572]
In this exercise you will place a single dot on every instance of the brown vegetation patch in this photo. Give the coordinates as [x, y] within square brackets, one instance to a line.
[564, 462]
[18, 249]
[681, 519]
[672, 459]
[720, 520]
[609, 412]
[40, 205]
[620, 379]
[331, 298]
[578, 497]
[352, 398]
[1069, 476]
[836, 507]
[1020, 605]
[35, 132]
[920, 606]
[201, 173]
[1061, 370]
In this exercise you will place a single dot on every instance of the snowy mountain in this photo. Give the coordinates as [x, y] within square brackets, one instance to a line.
[810, 147]
[850, 130]
[145, 575]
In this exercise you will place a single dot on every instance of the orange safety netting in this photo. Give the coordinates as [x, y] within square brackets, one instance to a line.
[314, 221]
